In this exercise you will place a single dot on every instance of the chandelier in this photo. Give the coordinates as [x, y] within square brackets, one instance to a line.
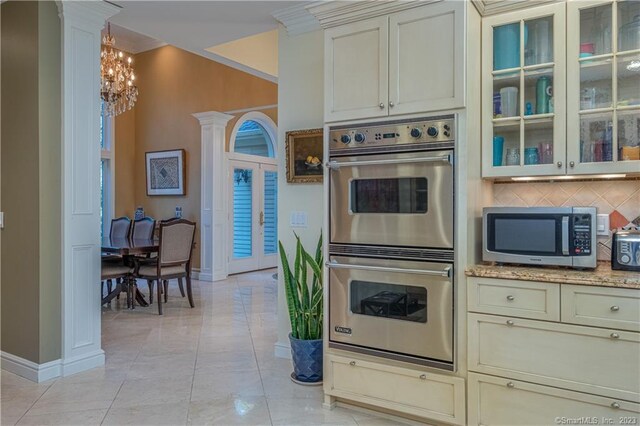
[117, 88]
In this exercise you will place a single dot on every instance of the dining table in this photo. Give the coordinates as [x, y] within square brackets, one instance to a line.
[131, 251]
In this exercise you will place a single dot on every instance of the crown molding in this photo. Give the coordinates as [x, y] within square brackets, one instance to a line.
[135, 48]
[334, 13]
[494, 7]
[297, 20]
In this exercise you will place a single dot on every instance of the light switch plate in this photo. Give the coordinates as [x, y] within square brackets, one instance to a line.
[1, 220]
[298, 219]
[602, 224]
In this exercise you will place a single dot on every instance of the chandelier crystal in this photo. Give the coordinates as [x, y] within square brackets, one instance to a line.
[117, 80]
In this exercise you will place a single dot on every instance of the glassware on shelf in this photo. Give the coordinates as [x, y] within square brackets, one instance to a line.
[513, 157]
[595, 30]
[629, 80]
[543, 95]
[629, 26]
[538, 41]
[629, 135]
[531, 156]
[498, 148]
[509, 101]
[545, 152]
[506, 46]
[497, 106]
[596, 138]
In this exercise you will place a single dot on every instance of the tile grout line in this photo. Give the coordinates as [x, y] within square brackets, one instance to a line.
[112, 401]
[34, 402]
[255, 356]
[195, 363]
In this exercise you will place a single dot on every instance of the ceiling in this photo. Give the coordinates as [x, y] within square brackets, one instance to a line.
[196, 25]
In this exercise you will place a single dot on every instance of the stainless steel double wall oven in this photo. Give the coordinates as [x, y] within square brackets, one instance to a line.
[391, 239]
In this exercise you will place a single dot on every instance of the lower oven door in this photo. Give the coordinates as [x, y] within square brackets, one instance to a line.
[398, 199]
[395, 308]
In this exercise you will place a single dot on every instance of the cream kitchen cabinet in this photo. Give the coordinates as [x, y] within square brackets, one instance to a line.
[523, 92]
[551, 352]
[500, 401]
[405, 390]
[603, 87]
[405, 62]
[588, 122]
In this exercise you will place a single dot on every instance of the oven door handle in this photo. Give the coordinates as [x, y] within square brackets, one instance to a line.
[334, 165]
[446, 272]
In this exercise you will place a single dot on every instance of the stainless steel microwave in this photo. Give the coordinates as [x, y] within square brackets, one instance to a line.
[561, 236]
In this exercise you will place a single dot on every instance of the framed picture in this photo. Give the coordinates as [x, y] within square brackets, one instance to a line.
[165, 172]
[304, 156]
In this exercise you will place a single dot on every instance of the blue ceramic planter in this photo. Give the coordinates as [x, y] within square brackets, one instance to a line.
[307, 359]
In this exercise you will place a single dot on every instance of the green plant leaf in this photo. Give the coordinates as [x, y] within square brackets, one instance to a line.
[289, 291]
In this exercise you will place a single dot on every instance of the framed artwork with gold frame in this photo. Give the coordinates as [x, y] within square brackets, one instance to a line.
[304, 156]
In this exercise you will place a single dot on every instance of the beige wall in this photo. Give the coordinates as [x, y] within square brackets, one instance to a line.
[125, 164]
[174, 84]
[300, 106]
[31, 288]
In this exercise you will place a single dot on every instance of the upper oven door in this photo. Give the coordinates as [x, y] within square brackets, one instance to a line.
[400, 199]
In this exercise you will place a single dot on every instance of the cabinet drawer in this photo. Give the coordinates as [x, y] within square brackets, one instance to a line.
[524, 299]
[498, 401]
[601, 307]
[599, 361]
[415, 392]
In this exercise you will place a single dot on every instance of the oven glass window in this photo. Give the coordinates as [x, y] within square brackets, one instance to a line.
[399, 195]
[525, 235]
[401, 302]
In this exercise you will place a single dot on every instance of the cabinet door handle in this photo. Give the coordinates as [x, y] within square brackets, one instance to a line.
[615, 308]
[615, 405]
[510, 385]
[381, 105]
[423, 377]
[559, 164]
[509, 322]
[615, 336]
[391, 104]
[572, 164]
[352, 363]
[510, 298]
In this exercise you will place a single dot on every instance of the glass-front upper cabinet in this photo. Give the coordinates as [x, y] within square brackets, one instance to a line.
[603, 87]
[523, 89]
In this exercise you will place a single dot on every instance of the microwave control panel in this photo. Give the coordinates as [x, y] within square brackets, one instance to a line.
[581, 235]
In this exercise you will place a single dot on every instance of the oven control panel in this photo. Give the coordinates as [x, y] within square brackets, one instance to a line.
[402, 132]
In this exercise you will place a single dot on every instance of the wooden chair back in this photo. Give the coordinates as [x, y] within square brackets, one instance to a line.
[120, 227]
[176, 242]
[143, 229]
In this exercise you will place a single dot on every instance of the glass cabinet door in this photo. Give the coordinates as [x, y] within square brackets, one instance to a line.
[603, 87]
[522, 135]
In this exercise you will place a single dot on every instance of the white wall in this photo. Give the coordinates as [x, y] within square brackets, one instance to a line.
[300, 106]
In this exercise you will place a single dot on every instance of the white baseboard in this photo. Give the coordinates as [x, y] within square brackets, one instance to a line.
[29, 369]
[282, 350]
[82, 363]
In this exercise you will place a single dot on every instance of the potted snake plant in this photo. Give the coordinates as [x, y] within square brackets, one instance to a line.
[303, 290]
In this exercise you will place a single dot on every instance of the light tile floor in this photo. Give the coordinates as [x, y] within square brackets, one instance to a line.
[213, 364]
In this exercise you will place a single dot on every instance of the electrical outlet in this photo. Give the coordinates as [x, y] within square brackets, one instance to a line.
[298, 219]
[602, 224]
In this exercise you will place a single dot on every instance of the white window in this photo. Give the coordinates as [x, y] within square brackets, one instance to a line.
[107, 172]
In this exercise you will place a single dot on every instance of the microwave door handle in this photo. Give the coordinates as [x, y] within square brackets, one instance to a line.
[446, 272]
[565, 235]
[334, 165]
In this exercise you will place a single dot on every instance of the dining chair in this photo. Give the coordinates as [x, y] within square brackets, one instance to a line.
[175, 249]
[143, 228]
[115, 271]
[120, 227]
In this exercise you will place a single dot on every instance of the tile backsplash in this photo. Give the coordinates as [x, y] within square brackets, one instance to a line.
[620, 199]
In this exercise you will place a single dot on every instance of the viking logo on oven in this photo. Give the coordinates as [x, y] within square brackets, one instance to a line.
[343, 330]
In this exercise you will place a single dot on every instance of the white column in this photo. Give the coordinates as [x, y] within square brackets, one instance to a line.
[214, 258]
[81, 340]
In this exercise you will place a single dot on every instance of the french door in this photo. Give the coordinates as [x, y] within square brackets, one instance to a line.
[253, 216]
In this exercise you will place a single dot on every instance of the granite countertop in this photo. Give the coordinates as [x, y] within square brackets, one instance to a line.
[602, 276]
